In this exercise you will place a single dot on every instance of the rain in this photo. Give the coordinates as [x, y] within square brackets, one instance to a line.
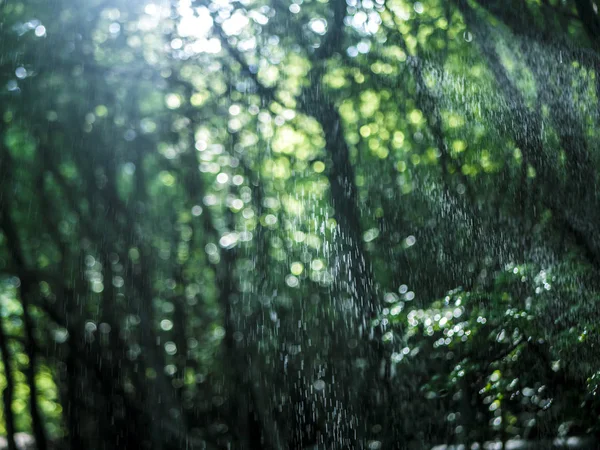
[299, 224]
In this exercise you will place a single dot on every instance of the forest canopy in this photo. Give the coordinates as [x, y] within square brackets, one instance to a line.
[293, 224]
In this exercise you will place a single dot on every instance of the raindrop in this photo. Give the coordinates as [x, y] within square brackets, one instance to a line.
[219, 332]
[228, 240]
[61, 335]
[528, 392]
[371, 235]
[166, 325]
[21, 72]
[173, 101]
[170, 348]
[319, 385]
[319, 26]
[40, 31]
[90, 327]
[291, 281]
[390, 297]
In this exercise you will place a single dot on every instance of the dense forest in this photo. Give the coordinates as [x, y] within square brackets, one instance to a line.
[293, 224]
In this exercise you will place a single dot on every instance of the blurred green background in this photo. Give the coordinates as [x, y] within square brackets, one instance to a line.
[277, 224]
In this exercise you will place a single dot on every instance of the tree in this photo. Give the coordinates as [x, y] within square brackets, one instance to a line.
[280, 225]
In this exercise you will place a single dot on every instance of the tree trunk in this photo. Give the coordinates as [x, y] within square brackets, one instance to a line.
[37, 424]
[9, 390]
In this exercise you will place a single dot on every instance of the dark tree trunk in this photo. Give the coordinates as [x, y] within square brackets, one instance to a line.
[73, 413]
[26, 290]
[37, 424]
[8, 393]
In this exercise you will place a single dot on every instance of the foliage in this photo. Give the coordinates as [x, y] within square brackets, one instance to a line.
[282, 224]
